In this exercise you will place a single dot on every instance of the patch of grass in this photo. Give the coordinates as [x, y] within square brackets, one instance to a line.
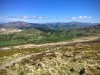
[11, 43]
[3, 71]
[12, 52]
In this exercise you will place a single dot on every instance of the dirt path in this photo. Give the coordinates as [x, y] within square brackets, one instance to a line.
[83, 39]
[50, 44]
[14, 61]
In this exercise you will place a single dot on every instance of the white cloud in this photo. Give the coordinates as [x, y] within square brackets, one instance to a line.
[73, 18]
[85, 17]
[55, 18]
[34, 17]
[46, 17]
[27, 17]
[6, 16]
[89, 17]
[20, 17]
[67, 18]
[40, 17]
[80, 17]
[9, 17]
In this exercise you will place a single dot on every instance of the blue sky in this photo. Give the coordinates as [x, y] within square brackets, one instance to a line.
[43, 11]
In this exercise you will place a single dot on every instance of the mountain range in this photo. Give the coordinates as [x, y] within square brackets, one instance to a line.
[55, 26]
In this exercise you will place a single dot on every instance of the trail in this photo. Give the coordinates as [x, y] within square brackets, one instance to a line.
[78, 40]
[13, 61]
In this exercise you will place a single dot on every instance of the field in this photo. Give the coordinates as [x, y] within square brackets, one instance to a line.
[81, 58]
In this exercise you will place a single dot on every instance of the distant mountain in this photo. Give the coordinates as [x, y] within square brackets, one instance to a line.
[1, 22]
[90, 30]
[17, 24]
[54, 26]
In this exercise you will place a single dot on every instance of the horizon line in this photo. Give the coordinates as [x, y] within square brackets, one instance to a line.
[50, 22]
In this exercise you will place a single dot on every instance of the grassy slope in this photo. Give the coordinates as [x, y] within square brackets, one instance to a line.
[19, 38]
[77, 59]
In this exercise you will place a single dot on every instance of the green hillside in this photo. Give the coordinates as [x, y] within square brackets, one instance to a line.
[40, 36]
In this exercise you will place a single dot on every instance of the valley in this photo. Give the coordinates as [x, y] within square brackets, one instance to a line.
[12, 34]
[49, 49]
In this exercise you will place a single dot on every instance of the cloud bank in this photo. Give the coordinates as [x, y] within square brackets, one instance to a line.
[28, 17]
[84, 17]
[46, 17]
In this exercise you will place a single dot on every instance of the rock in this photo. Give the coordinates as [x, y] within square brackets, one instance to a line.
[41, 64]
[82, 71]
[72, 69]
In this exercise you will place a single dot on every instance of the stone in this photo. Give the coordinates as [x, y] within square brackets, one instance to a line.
[41, 64]
[82, 71]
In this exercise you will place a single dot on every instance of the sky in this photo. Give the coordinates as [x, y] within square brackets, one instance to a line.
[44, 11]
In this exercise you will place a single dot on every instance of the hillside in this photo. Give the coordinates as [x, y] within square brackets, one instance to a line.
[81, 58]
[9, 30]
[90, 30]
[14, 36]
[45, 35]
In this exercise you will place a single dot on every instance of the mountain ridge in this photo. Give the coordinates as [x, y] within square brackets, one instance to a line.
[55, 25]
